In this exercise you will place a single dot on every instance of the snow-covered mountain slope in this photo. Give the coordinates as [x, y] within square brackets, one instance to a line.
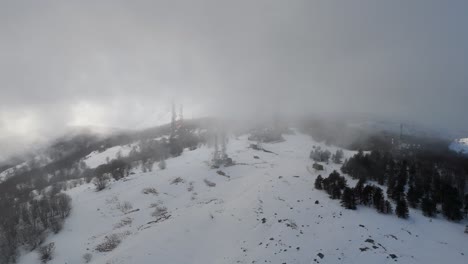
[262, 211]
[460, 145]
[97, 158]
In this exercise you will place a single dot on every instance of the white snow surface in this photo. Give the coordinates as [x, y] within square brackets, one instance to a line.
[223, 224]
[460, 145]
[4, 175]
[97, 158]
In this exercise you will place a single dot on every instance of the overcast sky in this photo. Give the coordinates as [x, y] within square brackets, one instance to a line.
[119, 63]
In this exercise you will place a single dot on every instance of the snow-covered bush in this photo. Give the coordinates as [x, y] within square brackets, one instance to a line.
[56, 226]
[46, 252]
[177, 180]
[124, 206]
[338, 156]
[159, 211]
[150, 190]
[110, 243]
[87, 257]
[320, 155]
[209, 183]
[101, 182]
[162, 165]
[124, 222]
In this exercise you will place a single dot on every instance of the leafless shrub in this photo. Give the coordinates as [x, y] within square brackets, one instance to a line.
[159, 211]
[190, 188]
[46, 252]
[56, 225]
[124, 207]
[101, 182]
[110, 243]
[150, 190]
[177, 180]
[112, 200]
[124, 222]
[209, 183]
[87, 257]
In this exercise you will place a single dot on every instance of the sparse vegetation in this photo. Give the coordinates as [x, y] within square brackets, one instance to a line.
[101, 182]
[87, 257]
[338, 156]
[209, 183]
[150, 190]
[46, 252]
[177, 180]
[159, 211]
[110, 243]
[125, 206]
[319, 155]
[124, 222]
[31, 204]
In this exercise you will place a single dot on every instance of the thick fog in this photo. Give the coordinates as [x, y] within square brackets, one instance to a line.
[120, 63]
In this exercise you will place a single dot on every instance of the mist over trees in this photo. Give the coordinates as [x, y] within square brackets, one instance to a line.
[32, 200]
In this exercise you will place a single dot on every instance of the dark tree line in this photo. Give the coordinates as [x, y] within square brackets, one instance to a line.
[26, 224]
[368, 195]
[423, 179]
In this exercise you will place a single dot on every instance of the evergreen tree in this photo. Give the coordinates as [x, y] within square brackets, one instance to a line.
[391, 186]
[388, 209]
[378, 199]
[366, 195]
[326, 185]
[338, 156]
[348, 200]
[381, 176]
[466, 205]
[336, 192]
[175, 147]
[413, 197]
[358, 189]
[318, 182]
[428, 206]
[451, 204]
[402, 208]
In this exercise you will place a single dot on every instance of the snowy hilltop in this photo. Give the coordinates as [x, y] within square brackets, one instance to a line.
[262, 209]
[460, 145]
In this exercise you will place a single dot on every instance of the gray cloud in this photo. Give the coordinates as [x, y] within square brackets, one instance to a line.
[118, 63]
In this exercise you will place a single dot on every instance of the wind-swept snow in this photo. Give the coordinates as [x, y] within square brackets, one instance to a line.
[262, 210]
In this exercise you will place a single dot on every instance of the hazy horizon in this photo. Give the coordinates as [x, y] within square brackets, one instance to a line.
[120, 63]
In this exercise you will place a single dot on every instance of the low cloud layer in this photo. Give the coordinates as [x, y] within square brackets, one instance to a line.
[119, 63]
